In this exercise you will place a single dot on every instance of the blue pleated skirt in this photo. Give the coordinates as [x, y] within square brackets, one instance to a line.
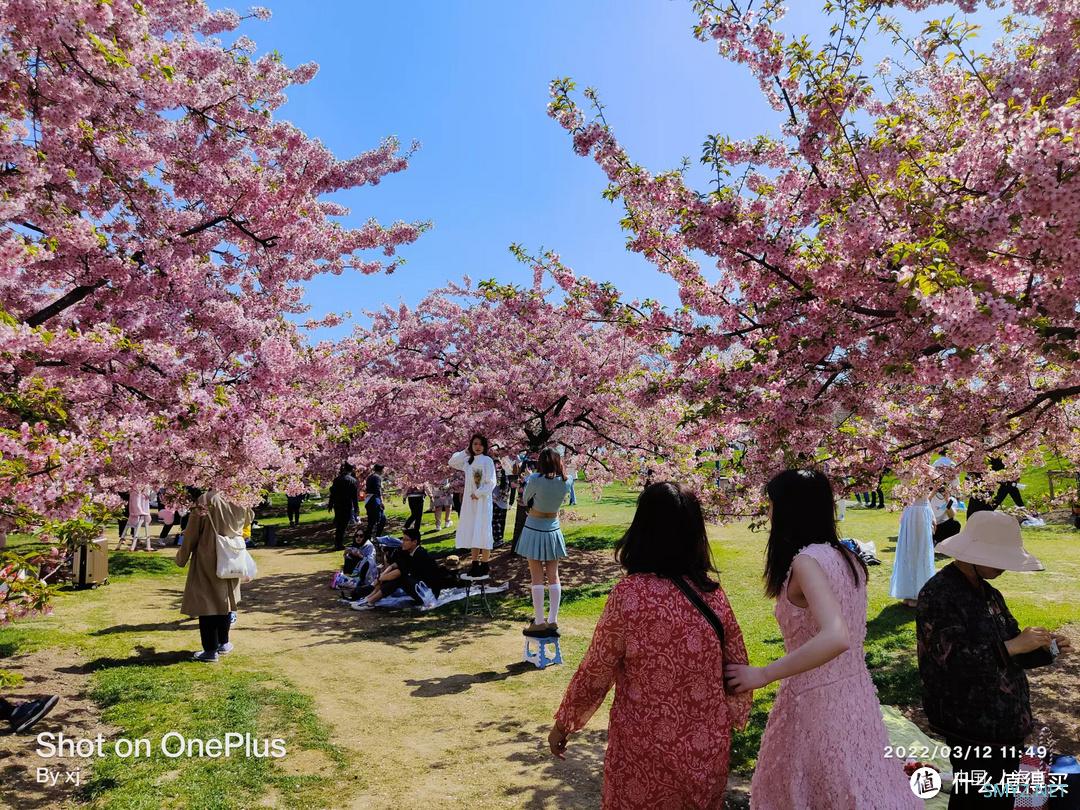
[541, 539]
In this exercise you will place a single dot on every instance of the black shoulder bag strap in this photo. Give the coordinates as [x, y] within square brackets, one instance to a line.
[702, 607]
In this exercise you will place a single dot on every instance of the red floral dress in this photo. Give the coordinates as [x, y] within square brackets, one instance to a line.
[669, 731]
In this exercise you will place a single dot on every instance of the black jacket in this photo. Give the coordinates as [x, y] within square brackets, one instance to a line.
[420, 566]
[373, 485]
[972, 688]
[344, 496]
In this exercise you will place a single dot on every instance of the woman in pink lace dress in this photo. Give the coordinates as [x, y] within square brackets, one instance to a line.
[669, 731]
[824, 743]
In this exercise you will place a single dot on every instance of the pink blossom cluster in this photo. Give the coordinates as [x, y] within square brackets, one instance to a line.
[509, 363]
[159, 222]
[895, 266]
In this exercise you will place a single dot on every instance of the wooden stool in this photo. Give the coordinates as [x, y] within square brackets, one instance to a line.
[539, 656]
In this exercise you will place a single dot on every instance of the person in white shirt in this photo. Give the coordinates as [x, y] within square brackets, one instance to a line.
[474, 522]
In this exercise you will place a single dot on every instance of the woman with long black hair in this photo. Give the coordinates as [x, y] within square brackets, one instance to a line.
[474, 525]
[662, 640]
[824, 743]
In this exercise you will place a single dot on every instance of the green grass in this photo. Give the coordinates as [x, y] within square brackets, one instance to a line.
[147, 698]
[205, 703]
[147, 693]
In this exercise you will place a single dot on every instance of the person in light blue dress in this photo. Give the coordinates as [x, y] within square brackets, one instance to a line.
[542, 542]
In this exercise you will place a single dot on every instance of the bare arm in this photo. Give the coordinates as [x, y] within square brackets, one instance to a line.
[830, 641]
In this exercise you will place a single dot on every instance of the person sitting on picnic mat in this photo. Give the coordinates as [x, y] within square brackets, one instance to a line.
[360, 563]
[411, 565]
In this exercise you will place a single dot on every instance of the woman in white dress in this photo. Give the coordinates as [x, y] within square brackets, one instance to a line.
[914, 564]
[474, 523]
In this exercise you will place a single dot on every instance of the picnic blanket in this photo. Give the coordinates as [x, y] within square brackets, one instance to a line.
[905, 734]
[447, 596]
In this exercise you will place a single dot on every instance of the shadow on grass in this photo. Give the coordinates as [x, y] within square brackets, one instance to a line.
[147, 627]
[143, 657]
[891, 655]
[456, 684]
[594, 538]
[535, 778]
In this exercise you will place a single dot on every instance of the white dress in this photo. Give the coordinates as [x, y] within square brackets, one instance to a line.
[914, 563]
[474, 524]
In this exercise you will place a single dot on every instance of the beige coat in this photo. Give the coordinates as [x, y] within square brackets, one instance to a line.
[204, 593]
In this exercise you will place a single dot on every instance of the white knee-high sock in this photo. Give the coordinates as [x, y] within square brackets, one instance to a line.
[538, 603]
[554, 597]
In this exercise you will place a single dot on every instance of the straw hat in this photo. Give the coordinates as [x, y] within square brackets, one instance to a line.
[991, 539]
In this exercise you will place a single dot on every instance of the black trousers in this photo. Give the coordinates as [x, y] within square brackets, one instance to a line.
[416, 512]
[457, 503]
[995, 765]
[6, 709]
[947, 528]
[498, 524]
[375, 518]
[292, 511]
[341, 525]
[1008, 489]
[214, 631]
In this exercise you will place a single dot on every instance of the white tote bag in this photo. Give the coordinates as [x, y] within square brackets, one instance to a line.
[234, 561]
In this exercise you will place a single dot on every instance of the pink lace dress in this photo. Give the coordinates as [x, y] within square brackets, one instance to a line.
[824, 743]
[669, 731]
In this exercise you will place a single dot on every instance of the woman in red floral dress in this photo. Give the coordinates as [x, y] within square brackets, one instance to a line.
[669, 731]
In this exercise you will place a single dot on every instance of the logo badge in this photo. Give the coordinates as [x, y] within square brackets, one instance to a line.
[925, 783]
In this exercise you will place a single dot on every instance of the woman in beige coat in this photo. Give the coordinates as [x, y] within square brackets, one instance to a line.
[206, 596]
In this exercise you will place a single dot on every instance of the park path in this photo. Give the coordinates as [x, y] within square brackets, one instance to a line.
[438, 708]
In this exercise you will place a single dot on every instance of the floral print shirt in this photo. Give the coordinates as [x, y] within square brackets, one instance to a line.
[972, 688]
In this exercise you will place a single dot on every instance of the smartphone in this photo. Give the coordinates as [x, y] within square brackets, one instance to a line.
[1054, 651]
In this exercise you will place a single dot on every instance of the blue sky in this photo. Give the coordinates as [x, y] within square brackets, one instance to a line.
[468, 79]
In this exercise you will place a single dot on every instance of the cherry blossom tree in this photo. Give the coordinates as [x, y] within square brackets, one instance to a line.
[895, 263]
[159, 223]
[510, 364]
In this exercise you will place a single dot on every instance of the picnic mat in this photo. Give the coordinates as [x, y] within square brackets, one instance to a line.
[905, 734]
[447, 596]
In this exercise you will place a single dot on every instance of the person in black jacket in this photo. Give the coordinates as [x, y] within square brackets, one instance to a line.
[411, 565]
[344, 502]
[373, 503]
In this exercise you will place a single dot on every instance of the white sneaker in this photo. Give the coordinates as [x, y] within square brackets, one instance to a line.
[205, 658]
[361, 605]
[449, 525]
[225, 648]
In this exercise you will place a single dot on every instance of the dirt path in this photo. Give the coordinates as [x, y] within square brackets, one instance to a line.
[439, 707]
[59, 672]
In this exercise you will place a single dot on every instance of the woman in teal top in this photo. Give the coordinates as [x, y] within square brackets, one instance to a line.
[542, 542]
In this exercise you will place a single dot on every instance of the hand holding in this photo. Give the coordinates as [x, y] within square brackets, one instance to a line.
[1029, 640]
[557, 741]
[744, 678]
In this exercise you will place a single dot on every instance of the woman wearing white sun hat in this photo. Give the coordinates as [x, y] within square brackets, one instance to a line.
[972, 654]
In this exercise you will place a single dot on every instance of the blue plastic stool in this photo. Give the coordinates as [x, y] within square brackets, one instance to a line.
[539, 656]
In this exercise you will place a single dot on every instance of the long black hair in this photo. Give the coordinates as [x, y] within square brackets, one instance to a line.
[667, 536]
[803, 512]
[473, 438]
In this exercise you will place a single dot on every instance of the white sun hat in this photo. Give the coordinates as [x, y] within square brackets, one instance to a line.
[991, 539]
